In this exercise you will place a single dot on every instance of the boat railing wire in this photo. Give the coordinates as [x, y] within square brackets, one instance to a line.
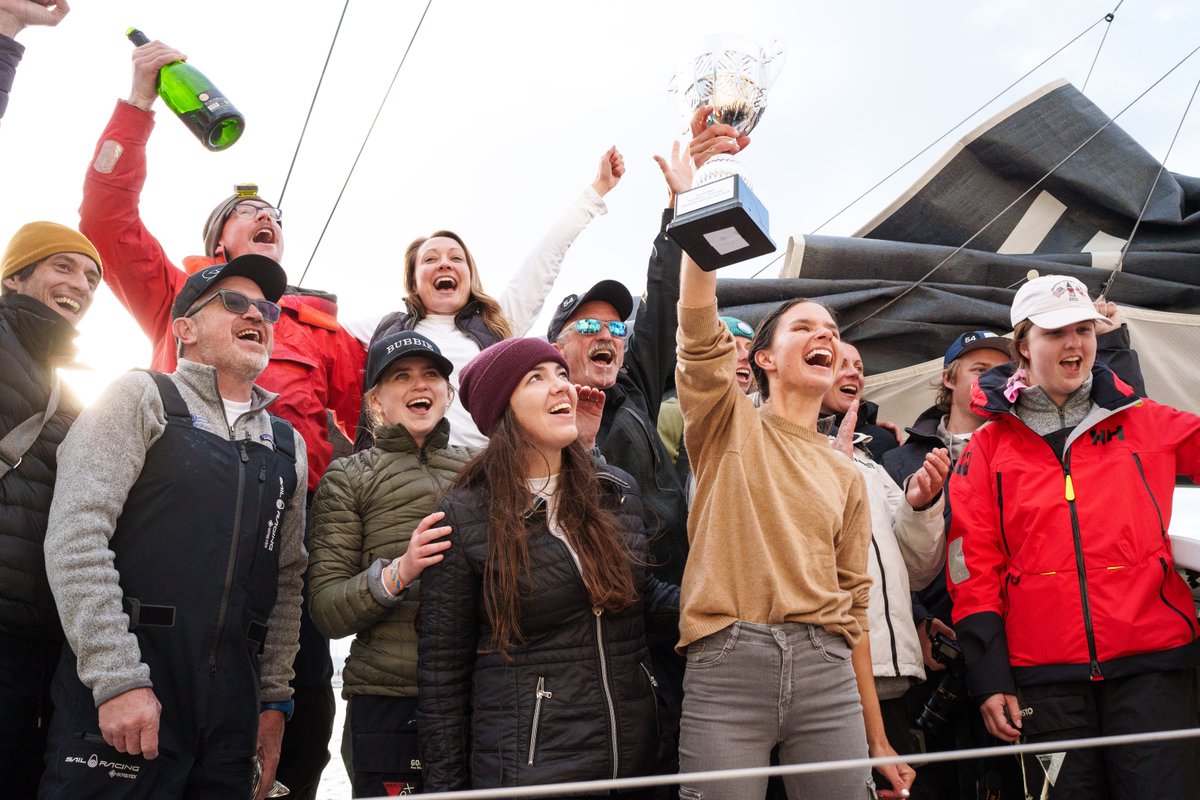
[716, 776]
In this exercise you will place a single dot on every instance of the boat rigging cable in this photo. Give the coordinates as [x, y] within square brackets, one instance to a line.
[1104, 289]
[313, 104]
[349, 174]
[1019, 198]
[1107, 18]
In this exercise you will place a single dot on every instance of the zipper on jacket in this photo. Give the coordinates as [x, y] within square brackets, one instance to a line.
[649, 676]
[887, 607]
[1161, 528]
[1009, 580]
[1000, 509]
[597, 611]
[1096, 675]
[243, 459]
[537, 715]
[612, 711]
[1163, 595]
[653, 697]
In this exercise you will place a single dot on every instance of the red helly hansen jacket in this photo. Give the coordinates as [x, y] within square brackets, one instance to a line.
[1061, 569]
[316, 365]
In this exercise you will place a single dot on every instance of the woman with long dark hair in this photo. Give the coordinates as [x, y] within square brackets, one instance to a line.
[375, 528]
[533, 660]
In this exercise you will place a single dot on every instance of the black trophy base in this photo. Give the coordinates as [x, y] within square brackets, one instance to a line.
[720, 223]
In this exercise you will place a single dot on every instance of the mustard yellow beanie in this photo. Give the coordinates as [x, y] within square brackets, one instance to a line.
[38, 240]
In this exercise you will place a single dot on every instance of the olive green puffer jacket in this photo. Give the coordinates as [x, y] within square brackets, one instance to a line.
[365, 511]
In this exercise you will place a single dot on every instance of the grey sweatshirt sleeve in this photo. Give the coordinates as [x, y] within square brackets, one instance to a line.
[98, 463]
[283, 628]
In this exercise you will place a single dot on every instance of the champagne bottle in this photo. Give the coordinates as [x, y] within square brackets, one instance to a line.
[196, 101]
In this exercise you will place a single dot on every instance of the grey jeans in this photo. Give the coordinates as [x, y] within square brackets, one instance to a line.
[749, 687]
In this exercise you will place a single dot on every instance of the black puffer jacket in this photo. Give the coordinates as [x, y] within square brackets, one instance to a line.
[628, 435]
[573, 702]
[33, 340]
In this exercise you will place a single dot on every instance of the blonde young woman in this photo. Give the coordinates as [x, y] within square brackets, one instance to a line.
[445, 300]
[375, 530]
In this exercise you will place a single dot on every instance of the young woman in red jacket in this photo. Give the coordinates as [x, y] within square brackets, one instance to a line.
[1067, 605]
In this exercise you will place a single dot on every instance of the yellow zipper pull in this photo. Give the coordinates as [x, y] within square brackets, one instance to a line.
[1070, 490]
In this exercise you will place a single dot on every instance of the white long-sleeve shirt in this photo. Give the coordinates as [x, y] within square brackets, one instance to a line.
[521, 303]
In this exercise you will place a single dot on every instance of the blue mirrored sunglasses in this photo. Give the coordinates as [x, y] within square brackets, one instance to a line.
[590, 327]
[238, 303]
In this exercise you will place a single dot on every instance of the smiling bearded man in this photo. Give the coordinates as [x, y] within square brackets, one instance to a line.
[175, 551]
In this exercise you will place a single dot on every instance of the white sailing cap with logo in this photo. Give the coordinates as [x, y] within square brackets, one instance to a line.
[1053, 301]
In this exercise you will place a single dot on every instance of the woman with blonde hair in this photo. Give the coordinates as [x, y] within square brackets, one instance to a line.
[375, 529]
[446, 302]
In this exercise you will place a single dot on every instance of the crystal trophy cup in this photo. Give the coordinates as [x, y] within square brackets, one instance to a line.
[720, 221]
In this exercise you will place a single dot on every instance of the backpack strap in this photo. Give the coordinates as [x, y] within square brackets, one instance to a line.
[173, 404]
[284, 434]
[16, 442]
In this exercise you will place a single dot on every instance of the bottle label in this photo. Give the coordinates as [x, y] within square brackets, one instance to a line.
[213, 102]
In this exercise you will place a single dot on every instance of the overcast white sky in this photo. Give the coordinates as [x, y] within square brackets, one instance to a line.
[503, 109]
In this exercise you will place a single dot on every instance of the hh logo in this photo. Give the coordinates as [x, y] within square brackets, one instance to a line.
[964, 463]
[1102, 437]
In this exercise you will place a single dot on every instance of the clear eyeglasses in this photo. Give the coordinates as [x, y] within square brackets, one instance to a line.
[250, 211]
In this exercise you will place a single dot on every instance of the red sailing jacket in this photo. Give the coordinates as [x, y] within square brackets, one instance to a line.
[316, 365]
[1062, 570]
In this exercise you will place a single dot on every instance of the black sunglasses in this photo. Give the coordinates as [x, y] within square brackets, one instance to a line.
[238, 303]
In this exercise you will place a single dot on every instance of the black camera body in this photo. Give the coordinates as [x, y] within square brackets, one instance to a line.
[950, 697]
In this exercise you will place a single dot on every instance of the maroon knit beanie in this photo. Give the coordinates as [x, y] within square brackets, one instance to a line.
[487, 382]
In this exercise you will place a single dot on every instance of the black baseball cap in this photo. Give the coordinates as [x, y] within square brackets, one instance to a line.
[612, 292]
[264, 271]
[974, 340]
[398, 345]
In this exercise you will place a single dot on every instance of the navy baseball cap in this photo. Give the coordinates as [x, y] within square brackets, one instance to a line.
[974, 340]
[264, 271]
[612, 292]
[400, 345]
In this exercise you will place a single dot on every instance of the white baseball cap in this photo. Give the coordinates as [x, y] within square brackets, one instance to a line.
[1053, 301]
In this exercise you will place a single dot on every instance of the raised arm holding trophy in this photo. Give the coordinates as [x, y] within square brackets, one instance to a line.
[720, 221]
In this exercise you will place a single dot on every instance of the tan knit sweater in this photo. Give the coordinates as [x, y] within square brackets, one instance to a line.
[780, 526]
